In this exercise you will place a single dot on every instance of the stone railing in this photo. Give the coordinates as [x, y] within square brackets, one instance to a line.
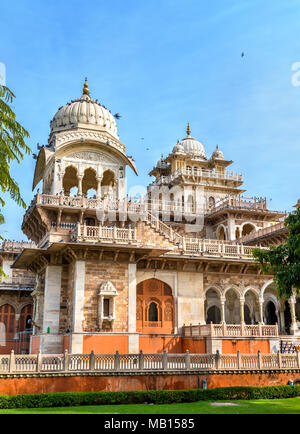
[270, 230]
[216, 248]
[240, 202]
[10, 246]
[230, 330]
[104, 234]
[199, 173]
[83, 363]
[138, 205]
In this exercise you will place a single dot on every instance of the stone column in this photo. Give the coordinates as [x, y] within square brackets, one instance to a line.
[99, 180]
[133, 337]
[57, 180]
[242, 305]
[80, 178]
[51, 340]
[261, 313]
[282, 320]
[223, 311]
[231, 228]
[78, 306]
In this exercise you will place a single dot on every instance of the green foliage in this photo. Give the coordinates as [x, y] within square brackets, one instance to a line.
[283, 261]
[47, 400]
[12, 147]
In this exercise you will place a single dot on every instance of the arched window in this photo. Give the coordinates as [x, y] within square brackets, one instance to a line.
[153, 312]
[25, 318]
[154, 307]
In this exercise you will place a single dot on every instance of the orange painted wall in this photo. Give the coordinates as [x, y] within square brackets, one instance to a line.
[157, 344]
[195, 346]
[105, 344]
[15, 385]
[245, 346]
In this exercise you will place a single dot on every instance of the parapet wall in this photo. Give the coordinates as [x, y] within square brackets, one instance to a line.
[51, 383]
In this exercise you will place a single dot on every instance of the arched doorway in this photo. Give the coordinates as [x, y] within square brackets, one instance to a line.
[287, 317]
[108, 184]
[155, 307]
[212, 306]
[251, 307]
[232, 307]
[247, 229]
[213, 315]
[70, 180]
[221, 234]
[270, 313]
[89, 183]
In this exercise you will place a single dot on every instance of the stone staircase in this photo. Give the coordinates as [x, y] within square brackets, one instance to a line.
[164, 230]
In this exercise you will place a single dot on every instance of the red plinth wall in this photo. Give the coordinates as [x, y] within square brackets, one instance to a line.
[83, 383]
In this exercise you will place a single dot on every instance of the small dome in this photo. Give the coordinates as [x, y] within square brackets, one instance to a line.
[178, 148]
[84, 111]
[161, 164]
[217, 154]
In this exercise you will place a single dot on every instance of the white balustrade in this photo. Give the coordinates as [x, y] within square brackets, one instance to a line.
[81, 363]
[230, 330]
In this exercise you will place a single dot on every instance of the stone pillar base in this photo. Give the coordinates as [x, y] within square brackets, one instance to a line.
[212, 345]
[51, 344]
[133, 343]
[76, 343]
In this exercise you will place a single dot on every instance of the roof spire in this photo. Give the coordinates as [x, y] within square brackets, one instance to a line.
[85, 89]
[188, 129]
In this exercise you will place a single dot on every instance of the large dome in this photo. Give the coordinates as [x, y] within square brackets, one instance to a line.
[84, 112]
[191, 146]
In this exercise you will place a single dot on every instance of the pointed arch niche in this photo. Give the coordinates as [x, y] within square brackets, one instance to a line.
[106, 306]
[154, 308]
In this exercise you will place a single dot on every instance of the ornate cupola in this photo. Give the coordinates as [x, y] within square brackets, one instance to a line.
[84, 158]
[84, 135]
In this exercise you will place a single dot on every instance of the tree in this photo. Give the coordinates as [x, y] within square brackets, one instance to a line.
[12, 148]
[283, 261]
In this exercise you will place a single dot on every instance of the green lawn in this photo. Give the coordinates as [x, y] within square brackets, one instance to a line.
[274, 406]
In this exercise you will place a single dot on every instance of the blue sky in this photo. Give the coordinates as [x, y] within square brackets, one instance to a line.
[160, 64]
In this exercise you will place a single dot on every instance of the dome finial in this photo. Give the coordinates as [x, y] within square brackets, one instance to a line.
[188, 130]
[85, 89]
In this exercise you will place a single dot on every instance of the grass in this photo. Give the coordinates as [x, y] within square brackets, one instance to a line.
[266, 406]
